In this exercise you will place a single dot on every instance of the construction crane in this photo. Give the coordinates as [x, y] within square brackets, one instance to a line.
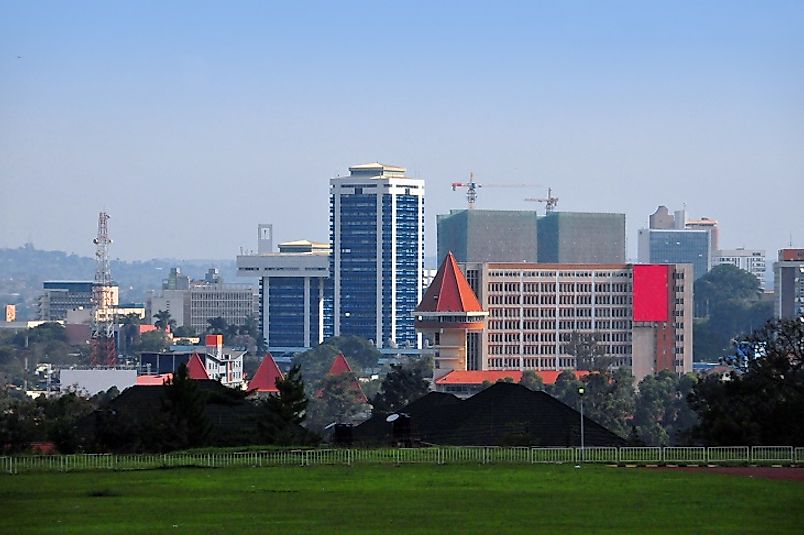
[550, 202]
[472, 187]
[102, 346]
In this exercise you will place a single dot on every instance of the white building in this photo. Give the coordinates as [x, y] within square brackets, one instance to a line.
[750, 260]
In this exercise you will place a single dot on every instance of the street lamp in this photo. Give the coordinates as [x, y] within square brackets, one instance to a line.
[580, 395]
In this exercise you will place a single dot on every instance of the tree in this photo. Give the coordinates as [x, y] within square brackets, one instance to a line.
[532, 380]
[662, 416]
[609, 399]
[164, 321]
[61, 417]
[589, 354]
[336, 401]
[727, 304]
[762, 403]
[400, 386]
[565, 389]
[284, 413]
[184, 331]
[185, 408]
[218, 326]
[358, 349]
[153, 341]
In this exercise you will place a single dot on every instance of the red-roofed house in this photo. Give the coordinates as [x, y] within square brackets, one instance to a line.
[452, 321]
[264, 380]
[196, 369]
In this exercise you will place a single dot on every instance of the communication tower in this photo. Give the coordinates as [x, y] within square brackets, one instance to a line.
[102, 345]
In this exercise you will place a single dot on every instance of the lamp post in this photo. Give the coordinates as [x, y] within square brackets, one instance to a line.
[580, 396]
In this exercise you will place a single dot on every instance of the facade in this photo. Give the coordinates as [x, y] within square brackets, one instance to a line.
[59, 297]
[750, 260]
[788, 283]
[377, 241]
[676, 247]
[523, 236]
[291, 293]
[640, 314]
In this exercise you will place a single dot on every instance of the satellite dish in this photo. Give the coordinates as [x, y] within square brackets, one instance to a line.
[392, 418]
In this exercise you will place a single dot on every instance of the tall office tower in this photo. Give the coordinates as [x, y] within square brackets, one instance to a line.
[577, 237]
[750, 260]
[670, 241]
[488, 235]
[788, 283]
[377, 239]
[292, 284]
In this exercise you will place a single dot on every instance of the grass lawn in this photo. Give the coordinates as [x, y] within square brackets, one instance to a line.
[406, 499]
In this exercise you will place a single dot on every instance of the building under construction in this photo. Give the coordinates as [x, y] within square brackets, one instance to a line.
[522, 236]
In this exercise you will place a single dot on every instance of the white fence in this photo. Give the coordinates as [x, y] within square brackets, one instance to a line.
[439, 455]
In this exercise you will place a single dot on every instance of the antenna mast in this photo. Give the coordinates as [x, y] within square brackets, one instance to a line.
[102, 346]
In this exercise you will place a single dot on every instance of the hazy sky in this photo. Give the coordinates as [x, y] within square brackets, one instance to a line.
[191, 122]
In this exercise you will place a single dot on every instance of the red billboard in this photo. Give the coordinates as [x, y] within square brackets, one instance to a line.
[651, 292]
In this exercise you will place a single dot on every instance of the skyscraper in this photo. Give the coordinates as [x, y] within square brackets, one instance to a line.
[377, 239]
[673, 239]
[788, 281]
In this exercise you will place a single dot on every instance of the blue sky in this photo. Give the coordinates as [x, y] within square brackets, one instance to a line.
[191, 122]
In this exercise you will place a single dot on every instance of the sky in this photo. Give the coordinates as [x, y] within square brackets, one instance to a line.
[192, 122]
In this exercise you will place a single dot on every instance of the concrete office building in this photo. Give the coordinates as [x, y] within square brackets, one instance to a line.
[750, 260]
[788, 283]
[642, 315]
[377, 241]
[291, 293]
[523, 236]
[59, 297]
[206, 299]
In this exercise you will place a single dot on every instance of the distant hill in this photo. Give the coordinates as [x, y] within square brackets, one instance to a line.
[22, 271]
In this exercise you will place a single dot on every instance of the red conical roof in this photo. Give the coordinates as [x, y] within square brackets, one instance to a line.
[196, 369]
[339, 365]
[449, 291]
[265, 377]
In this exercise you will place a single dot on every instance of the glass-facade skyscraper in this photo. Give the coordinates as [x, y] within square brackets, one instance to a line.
[377, 261]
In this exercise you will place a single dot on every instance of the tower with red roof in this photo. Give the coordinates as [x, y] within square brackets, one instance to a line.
[452, 321]
[340, 366]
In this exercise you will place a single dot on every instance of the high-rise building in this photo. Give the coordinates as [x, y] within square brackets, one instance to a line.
[788, 283]
[377, 240]
[291, 287]
[750, 260]
[672, 239]
[641, 316]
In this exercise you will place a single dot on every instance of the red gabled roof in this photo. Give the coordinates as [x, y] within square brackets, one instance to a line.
[449, 291]
[478, 377]
[196, 369]
[339, 365]
[265, 377]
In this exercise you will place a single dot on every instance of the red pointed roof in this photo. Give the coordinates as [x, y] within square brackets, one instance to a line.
[449, 291]
[339, 365]
[196, 369]
[265, 377]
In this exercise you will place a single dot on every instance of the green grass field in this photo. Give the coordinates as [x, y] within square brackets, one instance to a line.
[406, 499]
